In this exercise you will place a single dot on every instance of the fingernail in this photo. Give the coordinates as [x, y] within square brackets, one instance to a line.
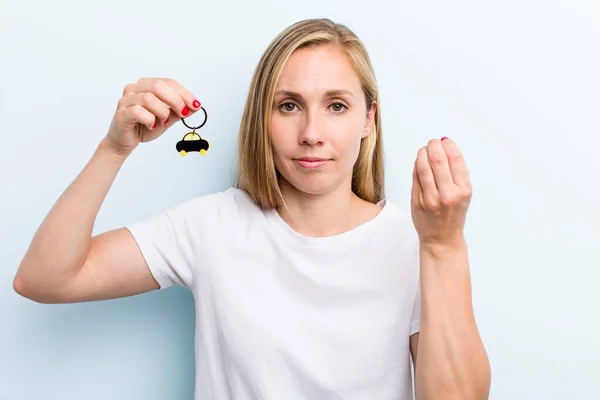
[196, 104]
[185, 111]
[154, 126]
[166, 121]
[444, 138]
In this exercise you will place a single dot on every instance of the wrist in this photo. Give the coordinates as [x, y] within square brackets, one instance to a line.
[107, 147]
[457, 244]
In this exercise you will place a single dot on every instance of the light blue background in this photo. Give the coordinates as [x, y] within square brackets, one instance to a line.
[515, 83]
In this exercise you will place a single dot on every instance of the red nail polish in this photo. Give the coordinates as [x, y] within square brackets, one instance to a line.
[196, 104]
[185, 111]
[154, 126]
[166, 121]
[444, 138]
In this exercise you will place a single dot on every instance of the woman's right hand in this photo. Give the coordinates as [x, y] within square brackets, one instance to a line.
[146, 110]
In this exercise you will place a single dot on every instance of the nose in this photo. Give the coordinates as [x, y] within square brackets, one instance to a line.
[311, 133]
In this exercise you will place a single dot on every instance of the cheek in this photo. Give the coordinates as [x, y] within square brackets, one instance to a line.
[281, 142]
[350, 142]
[277, 133]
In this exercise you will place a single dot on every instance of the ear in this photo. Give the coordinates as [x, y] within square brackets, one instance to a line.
[370, 120]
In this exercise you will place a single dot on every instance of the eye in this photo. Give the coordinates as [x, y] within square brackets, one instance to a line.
[287, 109]
[341, 107]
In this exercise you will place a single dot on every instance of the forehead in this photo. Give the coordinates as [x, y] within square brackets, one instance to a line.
[317, 67]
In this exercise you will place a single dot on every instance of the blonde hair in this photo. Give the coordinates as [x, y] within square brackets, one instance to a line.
[256, 172]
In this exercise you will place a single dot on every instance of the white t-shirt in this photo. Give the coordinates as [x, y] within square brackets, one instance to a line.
[282, 316]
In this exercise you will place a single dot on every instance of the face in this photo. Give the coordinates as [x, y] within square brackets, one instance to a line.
[319, 117]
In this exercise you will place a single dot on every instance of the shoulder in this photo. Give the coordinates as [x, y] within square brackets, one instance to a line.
[200, 219]
[229, 200]
[399, 219]
[232, 203]
[397, 230]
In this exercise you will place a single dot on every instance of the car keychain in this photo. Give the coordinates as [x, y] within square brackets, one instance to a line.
[192, 141]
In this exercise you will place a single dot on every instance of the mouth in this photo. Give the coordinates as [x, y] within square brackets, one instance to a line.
[311, 162]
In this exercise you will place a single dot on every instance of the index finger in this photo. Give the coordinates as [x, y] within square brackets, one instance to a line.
[181, 101]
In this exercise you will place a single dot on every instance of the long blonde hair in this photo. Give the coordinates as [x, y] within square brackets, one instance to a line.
[256, 172]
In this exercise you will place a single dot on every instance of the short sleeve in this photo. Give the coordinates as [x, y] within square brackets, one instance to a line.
[415, 321]
[169, 244]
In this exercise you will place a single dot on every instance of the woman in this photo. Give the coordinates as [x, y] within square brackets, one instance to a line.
[307, 282]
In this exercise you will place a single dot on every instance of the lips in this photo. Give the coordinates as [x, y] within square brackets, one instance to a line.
[311, 159]
[311, 162]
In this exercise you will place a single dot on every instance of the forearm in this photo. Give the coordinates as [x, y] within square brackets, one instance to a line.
[452, 362]
[61, 243]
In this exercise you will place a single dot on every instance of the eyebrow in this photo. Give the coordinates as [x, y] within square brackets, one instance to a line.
[329, 93]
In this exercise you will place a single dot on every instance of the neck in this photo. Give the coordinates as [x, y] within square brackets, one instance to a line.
[325, 214]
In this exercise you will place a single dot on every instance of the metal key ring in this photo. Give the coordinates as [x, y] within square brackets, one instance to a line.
[197, 127]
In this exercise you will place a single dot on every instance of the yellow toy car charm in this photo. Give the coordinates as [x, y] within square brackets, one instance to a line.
[192, 141]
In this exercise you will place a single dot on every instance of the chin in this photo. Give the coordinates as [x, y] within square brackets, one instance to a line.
[312, 185]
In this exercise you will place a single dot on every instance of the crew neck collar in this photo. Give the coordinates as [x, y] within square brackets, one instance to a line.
[347, 238]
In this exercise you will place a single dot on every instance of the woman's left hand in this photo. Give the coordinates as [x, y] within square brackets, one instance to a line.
[441, 193]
